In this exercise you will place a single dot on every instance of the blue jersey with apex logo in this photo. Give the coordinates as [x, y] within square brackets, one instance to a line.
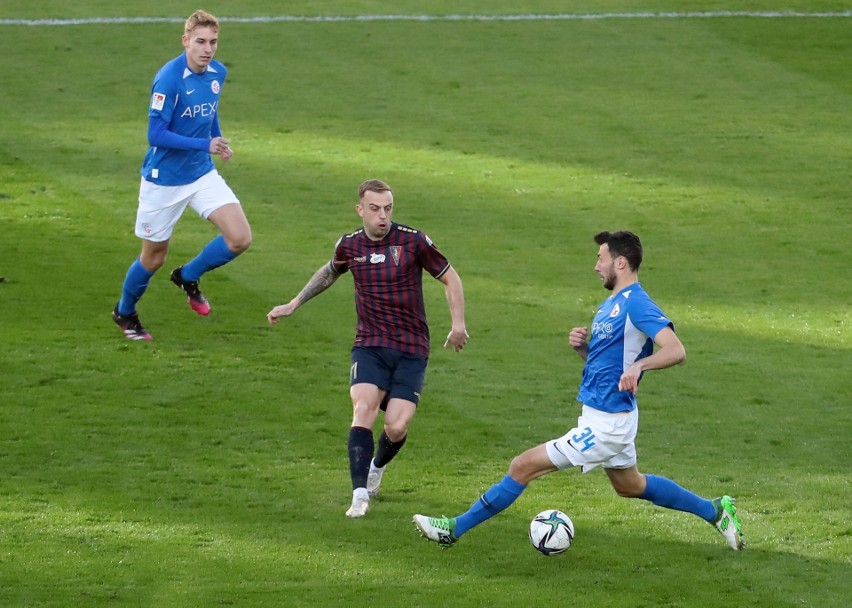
[187, 102]
[622, 332]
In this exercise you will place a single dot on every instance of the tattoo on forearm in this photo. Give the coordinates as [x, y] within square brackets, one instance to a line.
[322, 280]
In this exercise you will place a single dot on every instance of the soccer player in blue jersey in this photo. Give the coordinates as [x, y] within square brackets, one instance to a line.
[178, 171]
[621, 349]
[391, 347]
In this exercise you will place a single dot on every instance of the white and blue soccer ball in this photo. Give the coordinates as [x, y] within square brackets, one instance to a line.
[551, 532]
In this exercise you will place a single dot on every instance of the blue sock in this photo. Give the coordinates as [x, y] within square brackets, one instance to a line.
[496, 498]
[666, 493]
[214, 254]
[135, 283]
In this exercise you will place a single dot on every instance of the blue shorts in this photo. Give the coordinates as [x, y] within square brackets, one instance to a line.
[399, 374]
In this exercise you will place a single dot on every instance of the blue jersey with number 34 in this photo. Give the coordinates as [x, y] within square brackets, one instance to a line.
[622, 332]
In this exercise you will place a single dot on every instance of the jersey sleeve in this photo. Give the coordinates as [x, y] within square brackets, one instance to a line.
[430, 258]
[164, 92]
[160, 136]
[339, 261]
[648, 317]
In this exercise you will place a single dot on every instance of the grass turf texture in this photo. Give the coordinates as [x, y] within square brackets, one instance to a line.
[209, 467]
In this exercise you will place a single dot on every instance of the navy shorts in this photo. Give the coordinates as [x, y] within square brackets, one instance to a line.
[400, 374]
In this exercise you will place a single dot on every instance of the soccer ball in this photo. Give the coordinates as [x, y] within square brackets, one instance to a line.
[551, 532]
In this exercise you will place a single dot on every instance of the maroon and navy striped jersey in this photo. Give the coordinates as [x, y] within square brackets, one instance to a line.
[388, 276]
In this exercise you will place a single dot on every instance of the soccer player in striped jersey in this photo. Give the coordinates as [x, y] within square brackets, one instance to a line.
[178, 171]
[391, 346]
[621, 349]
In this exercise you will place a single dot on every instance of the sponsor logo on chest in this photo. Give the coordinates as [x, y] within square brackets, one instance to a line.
[380, 258]
[603, 327]
[200, 109]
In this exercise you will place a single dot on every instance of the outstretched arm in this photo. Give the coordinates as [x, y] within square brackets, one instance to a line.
[455, 298]
[322, 280]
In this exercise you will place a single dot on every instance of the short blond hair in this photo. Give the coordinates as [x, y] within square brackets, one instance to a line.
[373, 185]
[198, 19]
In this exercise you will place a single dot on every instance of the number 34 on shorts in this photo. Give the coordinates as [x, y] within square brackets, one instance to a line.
[584, 440]
[599, 439]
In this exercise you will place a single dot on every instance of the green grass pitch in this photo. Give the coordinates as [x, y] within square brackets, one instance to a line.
[209, 467]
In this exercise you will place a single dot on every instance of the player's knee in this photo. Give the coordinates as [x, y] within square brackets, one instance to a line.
[239, 244]
[364, 413]
[152, 262]
[396, 431]
[519, 469]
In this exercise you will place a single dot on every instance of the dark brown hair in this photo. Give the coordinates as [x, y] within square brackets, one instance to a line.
[622, 243]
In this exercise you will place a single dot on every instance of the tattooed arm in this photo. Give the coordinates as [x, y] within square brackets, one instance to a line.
[322, 280]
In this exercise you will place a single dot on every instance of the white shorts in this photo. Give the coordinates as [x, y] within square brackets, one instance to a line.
[160, 207]
[599, 439]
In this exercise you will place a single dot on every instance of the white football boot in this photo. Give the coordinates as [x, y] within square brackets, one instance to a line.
[374, 479]
[360, 503]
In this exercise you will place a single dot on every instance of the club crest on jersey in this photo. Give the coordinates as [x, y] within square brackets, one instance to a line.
[377, 258]
[214, 86]
[396, 251]
[615, 310]
[157, 101]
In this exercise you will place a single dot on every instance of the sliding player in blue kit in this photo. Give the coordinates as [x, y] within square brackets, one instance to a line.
[621, 349]
[178, 171]
[391, 347]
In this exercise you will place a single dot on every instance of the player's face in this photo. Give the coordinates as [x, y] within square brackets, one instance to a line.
[376, 209]
[605, 267]
[200, 45]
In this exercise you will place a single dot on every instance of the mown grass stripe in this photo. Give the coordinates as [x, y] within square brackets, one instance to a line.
[522, 17]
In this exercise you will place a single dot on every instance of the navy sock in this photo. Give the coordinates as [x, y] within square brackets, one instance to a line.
[664, 492]
[497, 498]
[214, 254]
[135, 283]
[387, 449]
[360, 455]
